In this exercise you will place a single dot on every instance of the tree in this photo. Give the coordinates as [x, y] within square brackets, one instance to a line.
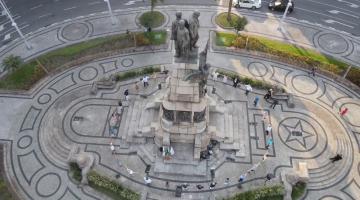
[240, 24]
[154, 2]
[229, 10]
[12, 62]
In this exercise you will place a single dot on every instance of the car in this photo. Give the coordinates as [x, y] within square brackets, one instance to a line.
[280, 5]
[253, 4]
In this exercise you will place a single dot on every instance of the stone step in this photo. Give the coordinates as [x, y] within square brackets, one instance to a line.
[124, 126]
[148, 157]
[133, 124]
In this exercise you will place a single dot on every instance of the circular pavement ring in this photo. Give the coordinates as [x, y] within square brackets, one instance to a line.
[48, 184]
[127, 62]
[307, 84]
[75, 31]
[257, 69]
[354, 109]
[333, 43]
[24, 142]
[88, 73]
[44, 98]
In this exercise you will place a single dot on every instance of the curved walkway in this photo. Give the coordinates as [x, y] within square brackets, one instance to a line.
[39, 134]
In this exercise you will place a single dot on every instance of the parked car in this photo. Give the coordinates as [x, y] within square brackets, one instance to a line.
[253, 4]
[280, 5]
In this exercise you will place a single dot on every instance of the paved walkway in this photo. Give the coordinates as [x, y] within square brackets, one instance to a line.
[39, 130]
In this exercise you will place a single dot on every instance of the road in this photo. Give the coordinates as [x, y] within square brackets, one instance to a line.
[31, 15]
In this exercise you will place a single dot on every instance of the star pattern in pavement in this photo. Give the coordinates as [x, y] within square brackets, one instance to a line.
[301, 139]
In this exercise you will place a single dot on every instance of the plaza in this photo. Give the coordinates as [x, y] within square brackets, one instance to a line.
[40, 127]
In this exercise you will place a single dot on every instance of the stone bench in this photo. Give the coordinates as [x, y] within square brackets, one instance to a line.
[107, 84]
[287, 97]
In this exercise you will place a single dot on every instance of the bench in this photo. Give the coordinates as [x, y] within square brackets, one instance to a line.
[287, 97]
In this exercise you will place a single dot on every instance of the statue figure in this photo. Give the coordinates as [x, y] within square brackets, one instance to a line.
[194, 26]
[175, 25]
[84, 160]
[182, 42]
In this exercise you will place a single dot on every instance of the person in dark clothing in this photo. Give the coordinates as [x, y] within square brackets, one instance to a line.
[236, 82]
[268, 95]
[313, 71]
[337, 157]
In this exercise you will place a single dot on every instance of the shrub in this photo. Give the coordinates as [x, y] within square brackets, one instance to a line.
[136, 72]
[110, 187]
[75, 172]
[273, 193]
[152, 19]
[240, 24]
[298, 190]
[12, 62]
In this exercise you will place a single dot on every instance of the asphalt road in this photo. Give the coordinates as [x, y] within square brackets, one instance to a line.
[31, 15]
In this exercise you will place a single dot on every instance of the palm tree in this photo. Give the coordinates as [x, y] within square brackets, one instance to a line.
[12, 62]
[154, 2]
[229, 10]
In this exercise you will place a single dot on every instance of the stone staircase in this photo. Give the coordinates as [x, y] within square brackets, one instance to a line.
[55, 144]
[329, 173]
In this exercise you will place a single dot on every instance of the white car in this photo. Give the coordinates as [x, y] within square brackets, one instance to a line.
[253, 4]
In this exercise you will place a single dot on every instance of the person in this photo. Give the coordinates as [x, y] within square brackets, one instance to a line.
[248, 89]
[269, 176]
[343, 111]
[119, 108]
[112, 148]
[225, 79]
[185, 186]
[268, 95]
[268, 129]
[146, 80]
[199, 187]
[212, 185]
[313, 71]
[131, 172]
[136, 86]
[227, 181]
[236, 82]
[167, 185]
[215, 75]
[126, 93]
[268, 143]
[264, 116]
[265, 156]
[256, 101]
[337, 157]
[274, 103]
[241, 178]
[147, 180]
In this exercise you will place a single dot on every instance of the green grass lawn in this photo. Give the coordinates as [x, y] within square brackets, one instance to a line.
[266, 193]
[284, 50]
[152, 19]
[29, 73]
[221, 20]
[298, 190]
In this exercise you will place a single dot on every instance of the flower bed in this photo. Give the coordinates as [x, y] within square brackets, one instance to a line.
[136, 72]
[266, 193]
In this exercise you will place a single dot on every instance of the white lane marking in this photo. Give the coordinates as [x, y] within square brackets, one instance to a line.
[329, 16]
[129, 3]
[330, 21]
[344, 13]
[7, 36]
[94, 3]
[70, 8]
[349, 3]
[337, 7]
[1, 27]
[46, 15]
[38, 6]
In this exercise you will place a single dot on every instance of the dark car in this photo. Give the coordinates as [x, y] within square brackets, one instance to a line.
[280, 5]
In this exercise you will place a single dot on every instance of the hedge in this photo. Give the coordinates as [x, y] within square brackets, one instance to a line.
[253, 82]
[266, 193]
[121, 76]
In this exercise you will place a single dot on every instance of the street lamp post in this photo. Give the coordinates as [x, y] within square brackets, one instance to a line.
[13, 23]
[284, 15]
[113, 21]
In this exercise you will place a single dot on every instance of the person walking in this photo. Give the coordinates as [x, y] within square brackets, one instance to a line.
[147, 180]
[241, 178]
[268, 95]
[225, 79]
[274, 103]
[268, 129]
[269, 176]
[146, 81]
[248, 89]
[236, 82]
[212, 185]
[112, 148]
[269, 142]
[227, 181]
[256, 101]
[313, 71]
[126, 93]
[337, 157]
[342, 112]
[119, 108]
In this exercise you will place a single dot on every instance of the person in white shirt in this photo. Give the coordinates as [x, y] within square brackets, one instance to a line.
[268, 129]
[248, 89]
[147, 180]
